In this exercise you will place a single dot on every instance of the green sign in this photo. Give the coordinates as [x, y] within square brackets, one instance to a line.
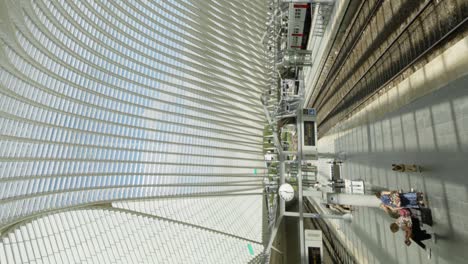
[250, 249]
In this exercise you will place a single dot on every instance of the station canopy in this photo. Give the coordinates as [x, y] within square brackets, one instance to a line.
[131, 131]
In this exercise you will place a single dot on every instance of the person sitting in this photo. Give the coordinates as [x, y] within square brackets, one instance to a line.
[409, 200]
[392, 201]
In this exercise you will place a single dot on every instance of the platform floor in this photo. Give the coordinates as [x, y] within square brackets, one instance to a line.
[431, 132]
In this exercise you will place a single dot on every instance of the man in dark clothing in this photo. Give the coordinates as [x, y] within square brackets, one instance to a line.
[418, 235]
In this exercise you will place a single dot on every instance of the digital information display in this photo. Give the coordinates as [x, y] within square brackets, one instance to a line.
[309, 133]
[314, 255]
[309, 111]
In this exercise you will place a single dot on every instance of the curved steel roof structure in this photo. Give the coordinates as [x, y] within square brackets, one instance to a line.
[128, 124]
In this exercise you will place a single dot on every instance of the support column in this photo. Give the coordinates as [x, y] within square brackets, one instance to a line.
[353, 199]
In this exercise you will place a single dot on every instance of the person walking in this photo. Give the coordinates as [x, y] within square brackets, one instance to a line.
[406, 167]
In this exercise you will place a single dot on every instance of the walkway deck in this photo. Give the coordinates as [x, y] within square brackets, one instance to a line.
[431, 131]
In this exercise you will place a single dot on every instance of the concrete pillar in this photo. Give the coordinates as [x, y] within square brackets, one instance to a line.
[345, 217]
[313, 193]
[353, 199]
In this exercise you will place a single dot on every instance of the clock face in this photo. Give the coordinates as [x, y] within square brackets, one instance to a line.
[286, 192]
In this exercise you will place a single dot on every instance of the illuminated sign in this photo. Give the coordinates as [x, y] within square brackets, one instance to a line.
[309, 111]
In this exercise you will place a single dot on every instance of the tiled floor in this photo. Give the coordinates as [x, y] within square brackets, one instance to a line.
[432, 132]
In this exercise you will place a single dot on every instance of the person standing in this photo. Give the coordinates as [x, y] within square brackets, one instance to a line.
[412, 228]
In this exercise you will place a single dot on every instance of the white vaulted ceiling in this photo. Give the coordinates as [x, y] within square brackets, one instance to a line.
[130, 103]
